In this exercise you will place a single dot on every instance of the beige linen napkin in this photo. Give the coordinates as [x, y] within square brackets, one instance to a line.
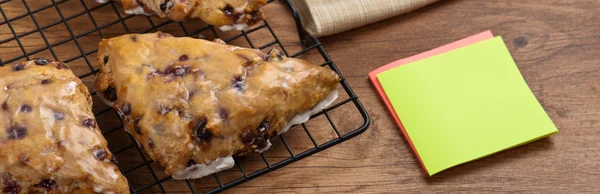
[327, 17]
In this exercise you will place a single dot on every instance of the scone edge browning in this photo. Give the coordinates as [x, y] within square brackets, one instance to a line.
[50, 141]
[211, 73]
[225, 14]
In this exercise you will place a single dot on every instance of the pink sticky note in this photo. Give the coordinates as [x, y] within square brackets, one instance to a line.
[449, 47]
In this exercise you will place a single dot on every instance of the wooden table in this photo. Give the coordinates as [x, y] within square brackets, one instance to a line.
[556, 44]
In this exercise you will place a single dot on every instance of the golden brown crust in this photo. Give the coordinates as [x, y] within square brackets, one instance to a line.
[49, 141]
[190, 99]
[227, 14]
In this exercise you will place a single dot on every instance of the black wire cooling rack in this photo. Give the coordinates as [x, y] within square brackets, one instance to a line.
[56, 24]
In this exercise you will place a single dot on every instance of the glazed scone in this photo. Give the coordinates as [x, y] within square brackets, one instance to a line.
[225, 14]
[49, 141]
[192, 104]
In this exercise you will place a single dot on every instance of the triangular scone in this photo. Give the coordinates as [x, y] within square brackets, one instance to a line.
[193, 103]
[225, 14]
[49, 141]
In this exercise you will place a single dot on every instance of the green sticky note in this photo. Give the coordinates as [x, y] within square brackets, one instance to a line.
[465, 104]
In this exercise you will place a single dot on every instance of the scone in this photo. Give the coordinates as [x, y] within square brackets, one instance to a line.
[192, 104]
[49, 141]
[225, 14]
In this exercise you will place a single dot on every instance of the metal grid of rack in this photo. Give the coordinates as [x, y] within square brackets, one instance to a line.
[86, 56]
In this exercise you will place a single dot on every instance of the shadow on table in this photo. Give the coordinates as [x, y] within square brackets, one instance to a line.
[485, 164]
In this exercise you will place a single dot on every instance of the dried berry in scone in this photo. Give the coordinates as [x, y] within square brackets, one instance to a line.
[49, 139]
[192, 103]
[225, 14]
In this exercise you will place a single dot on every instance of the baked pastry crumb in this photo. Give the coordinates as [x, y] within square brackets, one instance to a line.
[225, 14]
[49, 141]
[192, 104]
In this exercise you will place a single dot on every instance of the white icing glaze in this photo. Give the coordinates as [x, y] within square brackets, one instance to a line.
[102, 1]
[137, 11]
[60, 133]
[265, 148]
[234, 26]
[240, 26]
[69, 89]
[226, 28]
[220, 164]
[97, 189]
[200, 170]
[304, 116]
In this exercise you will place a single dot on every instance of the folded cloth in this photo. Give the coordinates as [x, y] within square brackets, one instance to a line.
[327, 17]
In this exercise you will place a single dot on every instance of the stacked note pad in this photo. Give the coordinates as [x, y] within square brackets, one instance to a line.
[461, 102]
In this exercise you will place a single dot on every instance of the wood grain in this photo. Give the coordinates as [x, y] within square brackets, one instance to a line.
[556, 44]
